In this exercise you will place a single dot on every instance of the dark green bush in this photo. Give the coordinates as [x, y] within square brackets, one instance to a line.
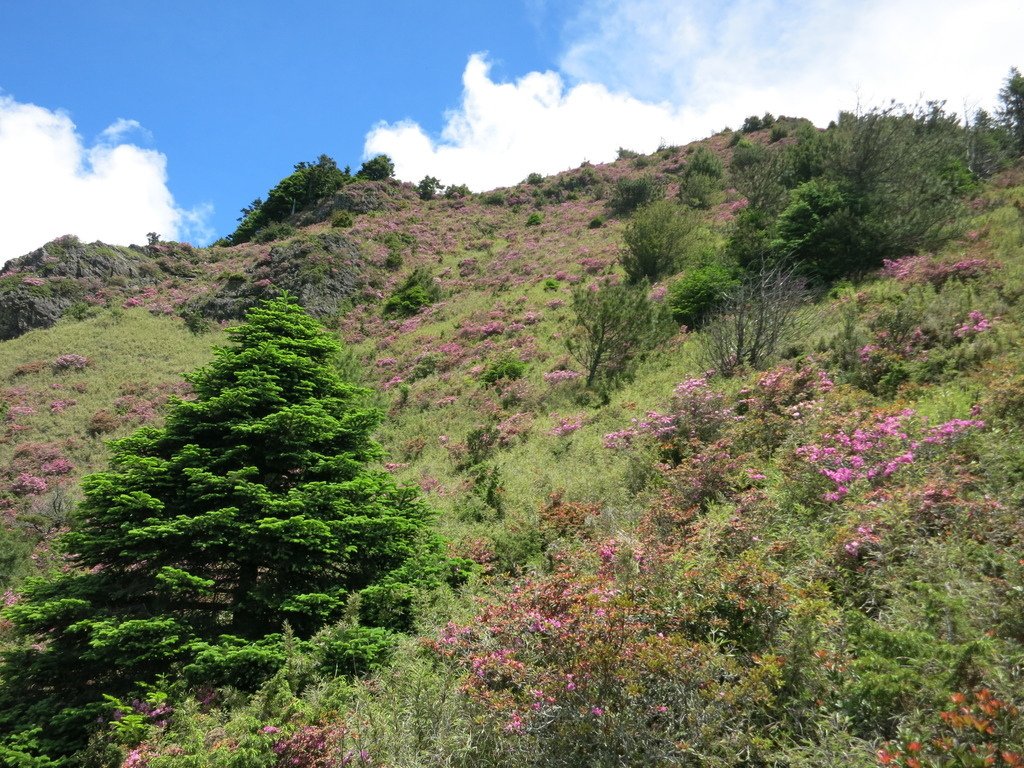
[417, 291]
[633, 192]
[377, 169]
[428, 187]
[456, 191]
[534, 219]
[698, 292]
[342, 219]
[505, 367]
[274, 232]
[657, 241]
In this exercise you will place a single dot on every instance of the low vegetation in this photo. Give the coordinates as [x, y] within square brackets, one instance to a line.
[750, 498]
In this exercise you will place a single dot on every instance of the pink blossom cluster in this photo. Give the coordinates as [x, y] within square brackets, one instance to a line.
[658, 293]
[70, 361]
[566, 425]
[925, 269]
[19, 410]
[482, 331]
[697, 412]
[876, 451]
[58, 466]
[59, 406]
[28, 485]
[34, 281]
[866, 536]
[976, 323]
[560, 375]
[515, 427]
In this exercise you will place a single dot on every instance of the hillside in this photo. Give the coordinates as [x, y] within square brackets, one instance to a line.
[695, 552]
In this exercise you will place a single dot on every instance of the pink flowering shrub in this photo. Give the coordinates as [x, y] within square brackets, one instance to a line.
[587, 662]
[927, 269]
[70, 362]
[28, 485]
[560, 375]
[875, 449]
[697, 412]
[566, 425]
[976, 323]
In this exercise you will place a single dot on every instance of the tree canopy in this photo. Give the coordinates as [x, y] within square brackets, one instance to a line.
[250, 508]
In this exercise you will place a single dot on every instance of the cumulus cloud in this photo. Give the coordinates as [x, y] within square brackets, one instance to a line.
[636, 73]
[503, 131]
[52, 184]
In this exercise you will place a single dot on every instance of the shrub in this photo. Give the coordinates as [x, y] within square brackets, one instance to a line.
[596, 223]
[428, 188]
[657, 240]
[377, 169]
[534, 219]
[699, 291]
[613, 327]
[280, 231]
[417, 291]
[505, 367]
[456, 191]
[342, 219]
[633, 192]
[756, 319]
[700, 191]
[534, 179]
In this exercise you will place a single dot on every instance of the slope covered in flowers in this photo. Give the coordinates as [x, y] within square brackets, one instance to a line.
[819, 563]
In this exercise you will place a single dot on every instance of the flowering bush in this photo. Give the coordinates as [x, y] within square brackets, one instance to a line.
[875, 449]
[28, 485]
[927, 269]
[698, 413]
[70, 361]
[566, 425]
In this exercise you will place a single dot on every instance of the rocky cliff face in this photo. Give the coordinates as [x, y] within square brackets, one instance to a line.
[38, 288]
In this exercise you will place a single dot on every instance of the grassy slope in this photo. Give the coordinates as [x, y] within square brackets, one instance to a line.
[496, 269]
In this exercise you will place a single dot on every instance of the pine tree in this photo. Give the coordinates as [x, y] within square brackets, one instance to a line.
[251, 507]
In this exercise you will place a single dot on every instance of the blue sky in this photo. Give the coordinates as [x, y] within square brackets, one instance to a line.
[118, 118]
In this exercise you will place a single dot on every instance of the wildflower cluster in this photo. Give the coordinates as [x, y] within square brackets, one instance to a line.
[876, 449]
[924, 268]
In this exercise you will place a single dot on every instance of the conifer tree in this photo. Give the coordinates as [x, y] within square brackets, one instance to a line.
[250, 508]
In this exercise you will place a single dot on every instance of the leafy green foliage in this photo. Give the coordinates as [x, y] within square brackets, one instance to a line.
[377, 168]
[428, 187]
[876, 185]
[250, 509]
[308, 183]
[505, 367]
[613, 327]
[699, 291]
[418, 290]
[1011, 108]
[658, 240]
[632, 192]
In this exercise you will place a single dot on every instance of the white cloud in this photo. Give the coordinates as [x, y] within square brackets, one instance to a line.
[635, 73]
[721, 61]
[503, 131]
[52, 184]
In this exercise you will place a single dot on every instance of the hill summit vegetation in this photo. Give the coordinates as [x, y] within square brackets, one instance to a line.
[705, 457]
